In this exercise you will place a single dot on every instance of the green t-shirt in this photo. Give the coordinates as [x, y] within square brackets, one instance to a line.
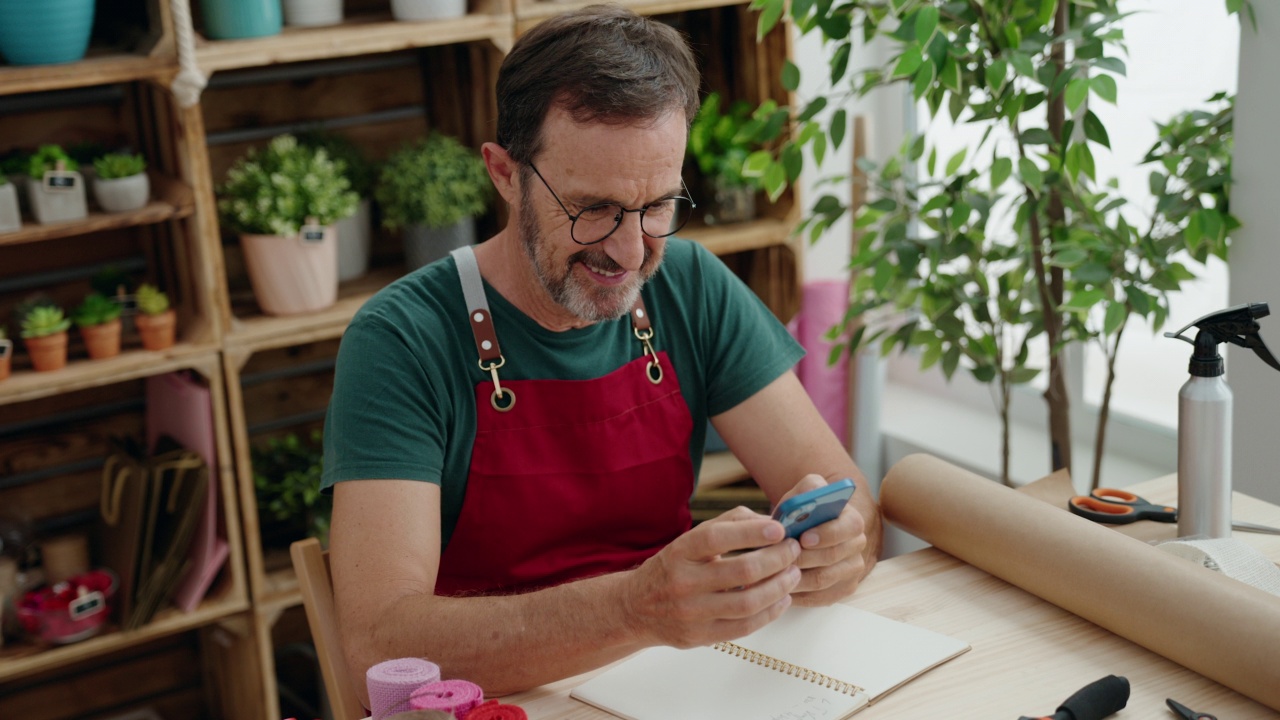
[403, 404]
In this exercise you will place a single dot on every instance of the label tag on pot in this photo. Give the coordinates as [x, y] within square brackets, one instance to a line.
[311, 234]
[60, 180]
[88, 604]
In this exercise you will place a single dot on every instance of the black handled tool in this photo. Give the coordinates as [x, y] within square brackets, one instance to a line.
[1097, 700]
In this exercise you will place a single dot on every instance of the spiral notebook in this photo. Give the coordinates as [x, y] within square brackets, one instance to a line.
[810, 664]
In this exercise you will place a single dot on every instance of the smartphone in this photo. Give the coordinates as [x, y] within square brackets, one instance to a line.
[810, 509]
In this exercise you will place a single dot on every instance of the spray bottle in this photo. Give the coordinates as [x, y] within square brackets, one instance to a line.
[1204, 419]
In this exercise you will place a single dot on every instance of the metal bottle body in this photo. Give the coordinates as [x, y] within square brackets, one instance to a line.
[1204, 458]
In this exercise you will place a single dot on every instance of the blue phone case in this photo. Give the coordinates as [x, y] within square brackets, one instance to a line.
[813, 508]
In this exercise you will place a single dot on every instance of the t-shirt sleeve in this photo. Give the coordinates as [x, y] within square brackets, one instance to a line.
[747, 347]
[385, 420]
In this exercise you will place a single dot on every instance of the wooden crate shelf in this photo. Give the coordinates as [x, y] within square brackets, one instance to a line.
[95, 70]
[172, 201]
[266, 331]
[741, 237]
[81, 373]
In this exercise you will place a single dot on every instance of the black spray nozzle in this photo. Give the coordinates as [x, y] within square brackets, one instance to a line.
[1237, 325]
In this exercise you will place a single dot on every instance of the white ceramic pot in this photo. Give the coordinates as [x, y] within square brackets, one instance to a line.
[312, 13]
[355, 241]
[119, 195]
[428, 9]
[424, 245]
[291, 275]
[10, 214]
[61, 205]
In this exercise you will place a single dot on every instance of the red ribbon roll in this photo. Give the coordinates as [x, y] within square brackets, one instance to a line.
[494, 710]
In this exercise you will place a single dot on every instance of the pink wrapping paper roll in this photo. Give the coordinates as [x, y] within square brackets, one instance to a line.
[456, 696]
[391, 683]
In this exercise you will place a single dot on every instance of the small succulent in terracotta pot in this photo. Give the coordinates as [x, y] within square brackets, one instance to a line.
[44, 330]
[98, 318]
[156, 321]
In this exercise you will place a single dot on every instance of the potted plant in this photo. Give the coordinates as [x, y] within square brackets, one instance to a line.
[312, 13]
[99, 321]
[44, 331]
[6, 354]
[355, 233]
[427, 9]
[156, 321]
[283, 201]
[286, 480]
[54, 187]
[720, 145]
[122, 184]
[10, 214]
[434, 189]
[45, 32]
[238, 19]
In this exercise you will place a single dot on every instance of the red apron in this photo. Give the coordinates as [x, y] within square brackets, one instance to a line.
[577, 478]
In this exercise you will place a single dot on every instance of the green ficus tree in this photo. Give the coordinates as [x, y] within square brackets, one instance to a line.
[1015, 239]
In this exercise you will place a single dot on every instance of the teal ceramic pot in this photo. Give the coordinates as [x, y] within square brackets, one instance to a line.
[44, 32]
[238, 19]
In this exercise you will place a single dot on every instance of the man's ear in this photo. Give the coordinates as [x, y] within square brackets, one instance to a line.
[503, 171]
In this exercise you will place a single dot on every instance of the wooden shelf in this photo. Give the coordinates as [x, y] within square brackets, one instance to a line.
[173, 201]
[20, 660]
[265, 331]
[97, 69]
[739, 237]
[81, 373]
[357, 36]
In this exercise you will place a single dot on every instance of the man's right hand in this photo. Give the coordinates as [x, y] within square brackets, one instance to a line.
[693, 592]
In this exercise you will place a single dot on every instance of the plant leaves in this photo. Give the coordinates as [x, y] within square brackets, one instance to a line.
[769, 17]
[839, 124]
[790, 76]
[1104, 86]
[1095, 130]
[1077, 91]
[908, 62]
[1030, 174]
[1001, 168]
[956, 160]
[757, 164]
[926, 23]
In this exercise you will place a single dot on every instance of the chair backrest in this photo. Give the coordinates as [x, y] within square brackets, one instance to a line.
[311, 563]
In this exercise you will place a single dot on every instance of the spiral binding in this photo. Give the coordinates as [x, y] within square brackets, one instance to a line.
[786, 668]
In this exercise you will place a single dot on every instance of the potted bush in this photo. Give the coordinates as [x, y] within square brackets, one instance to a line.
[312, 13]
[10, 214]
[6, 354]
[54, 187]
[44, 331]
[427, 9]
[355, 233]
[286, 481]
[719, 146]
[45, 32]
[99, 321]
[156, 321]
[121, 184]
[238, 19]
[434, 189]
[283, 201]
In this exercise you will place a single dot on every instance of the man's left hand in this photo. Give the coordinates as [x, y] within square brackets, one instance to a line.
[832, 558]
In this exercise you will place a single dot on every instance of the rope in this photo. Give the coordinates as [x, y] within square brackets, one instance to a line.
[190, 81]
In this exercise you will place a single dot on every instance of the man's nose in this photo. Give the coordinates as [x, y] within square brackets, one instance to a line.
[626, 244]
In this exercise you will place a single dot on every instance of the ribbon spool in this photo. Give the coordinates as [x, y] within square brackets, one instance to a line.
[455, 696]
[1233, 558]
[494, 710]
[391, 684]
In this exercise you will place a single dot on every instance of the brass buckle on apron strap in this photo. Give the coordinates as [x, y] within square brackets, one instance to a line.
[498, 391]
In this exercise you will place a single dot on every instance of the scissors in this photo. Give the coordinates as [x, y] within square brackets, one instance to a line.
[1119, 507]
[1187, 713]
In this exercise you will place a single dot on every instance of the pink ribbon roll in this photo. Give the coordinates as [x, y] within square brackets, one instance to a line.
[391, 683]
[455, 696]
[494, 710]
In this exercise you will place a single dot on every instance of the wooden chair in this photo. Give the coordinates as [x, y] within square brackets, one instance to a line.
[311, 564]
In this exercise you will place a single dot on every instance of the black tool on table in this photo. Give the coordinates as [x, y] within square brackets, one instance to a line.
[1097, 700]
[1108, 505]
[1187, 713]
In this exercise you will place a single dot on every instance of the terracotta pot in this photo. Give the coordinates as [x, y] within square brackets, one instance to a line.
[48, 352]
[290, 274]
[102, 341]
[6, 360]
[157, 331]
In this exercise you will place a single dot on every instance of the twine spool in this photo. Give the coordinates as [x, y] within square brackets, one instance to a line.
[494, 710]
[455, 696]
[391, 683]
[65, 557]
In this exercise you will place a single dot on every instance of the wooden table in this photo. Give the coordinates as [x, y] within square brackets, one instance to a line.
[1028, 655]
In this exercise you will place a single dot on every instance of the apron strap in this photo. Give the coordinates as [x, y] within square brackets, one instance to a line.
[643, 329]
[481, 321]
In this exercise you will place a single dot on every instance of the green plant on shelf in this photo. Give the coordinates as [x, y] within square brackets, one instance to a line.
[119, 165]
[286, 481]
[436, 182]
[44, 320]
[47, 158]
[151, 300]
[721, 140]
[361, 172]
[278, 189]
[96, 309]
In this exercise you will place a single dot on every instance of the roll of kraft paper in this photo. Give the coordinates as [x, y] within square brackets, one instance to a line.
[391, 684]
[456, 696]
[1207, 622]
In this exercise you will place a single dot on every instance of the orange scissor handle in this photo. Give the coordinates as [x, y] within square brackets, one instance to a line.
[1119, 507]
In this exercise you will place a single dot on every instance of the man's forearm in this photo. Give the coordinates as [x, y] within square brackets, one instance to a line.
[509, 643]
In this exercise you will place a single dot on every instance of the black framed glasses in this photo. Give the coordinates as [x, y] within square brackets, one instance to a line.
[597, 222]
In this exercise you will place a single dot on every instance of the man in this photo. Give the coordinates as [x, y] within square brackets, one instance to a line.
[512, 440]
